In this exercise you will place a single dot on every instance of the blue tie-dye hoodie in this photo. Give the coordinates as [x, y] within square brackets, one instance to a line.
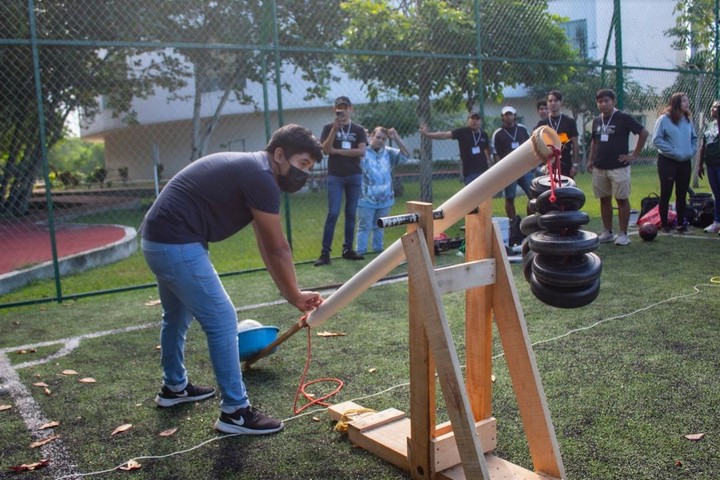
[377, 188]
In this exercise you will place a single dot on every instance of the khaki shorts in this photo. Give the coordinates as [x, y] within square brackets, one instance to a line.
[615, 182]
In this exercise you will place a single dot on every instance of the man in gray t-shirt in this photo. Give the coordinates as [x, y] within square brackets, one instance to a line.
[208, 201]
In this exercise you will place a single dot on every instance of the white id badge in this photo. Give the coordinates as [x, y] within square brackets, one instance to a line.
[514, 145]
[475, 150]
[604, 137]
[346, 145]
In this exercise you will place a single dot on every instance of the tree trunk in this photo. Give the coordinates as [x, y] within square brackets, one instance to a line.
[425, 116]
[195, 151]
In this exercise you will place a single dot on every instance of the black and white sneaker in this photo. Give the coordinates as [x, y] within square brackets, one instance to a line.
[248, 421]
[192, 393]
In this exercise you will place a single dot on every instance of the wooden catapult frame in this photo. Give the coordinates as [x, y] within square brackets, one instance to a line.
[460, 448]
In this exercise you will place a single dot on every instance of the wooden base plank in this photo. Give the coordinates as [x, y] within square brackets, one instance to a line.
[445, 452]
[385, 434]
[499, 470]
[388, 442]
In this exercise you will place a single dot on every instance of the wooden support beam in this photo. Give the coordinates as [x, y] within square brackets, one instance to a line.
[478, 315]
[428, 308]
[422, 362]
[524, 374]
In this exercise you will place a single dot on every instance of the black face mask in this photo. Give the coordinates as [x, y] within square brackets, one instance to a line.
[293, 181]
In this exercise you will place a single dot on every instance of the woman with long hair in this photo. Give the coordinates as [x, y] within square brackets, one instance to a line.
[675, 138]
[710, 157]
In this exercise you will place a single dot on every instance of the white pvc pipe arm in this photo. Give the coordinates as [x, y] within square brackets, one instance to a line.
[539, 148]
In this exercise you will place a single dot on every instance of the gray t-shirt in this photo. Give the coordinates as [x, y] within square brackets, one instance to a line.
[210, 199]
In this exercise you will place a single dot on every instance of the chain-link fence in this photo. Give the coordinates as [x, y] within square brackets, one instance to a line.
[103, 102]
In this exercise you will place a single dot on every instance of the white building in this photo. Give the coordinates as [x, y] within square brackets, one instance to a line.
[164, 130]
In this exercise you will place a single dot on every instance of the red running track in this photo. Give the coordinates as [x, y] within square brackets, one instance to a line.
[26, 244]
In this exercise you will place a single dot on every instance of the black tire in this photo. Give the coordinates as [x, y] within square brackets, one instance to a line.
[565, 297]
[527, 265]
[549, 243]
[529, 225]
[566, 198]
[538, 185]
[531, 206]
[570, 220]
[525, 247]
[574, 271]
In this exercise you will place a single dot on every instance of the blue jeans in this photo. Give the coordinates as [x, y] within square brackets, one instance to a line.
[524, 182]
[467, 179]
[336, 186]
[367, 222]
[713, 174]
[190, 287]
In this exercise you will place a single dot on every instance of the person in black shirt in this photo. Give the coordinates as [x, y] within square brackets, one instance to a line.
[566, 128]
[345, 143]
[609, 163]
[542, 110]
[504, 140]
[473, 142]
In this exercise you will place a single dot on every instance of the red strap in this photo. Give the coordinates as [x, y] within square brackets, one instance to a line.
[554, 171]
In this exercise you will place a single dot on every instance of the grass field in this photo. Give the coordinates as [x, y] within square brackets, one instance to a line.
[307, 213]
[626, 377]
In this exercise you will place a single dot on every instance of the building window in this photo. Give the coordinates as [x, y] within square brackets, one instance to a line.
[576, 31]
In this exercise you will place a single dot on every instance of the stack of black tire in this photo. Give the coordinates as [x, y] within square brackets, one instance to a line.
[558, 258]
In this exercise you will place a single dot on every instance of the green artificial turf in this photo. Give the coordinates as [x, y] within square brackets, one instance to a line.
[626, 378]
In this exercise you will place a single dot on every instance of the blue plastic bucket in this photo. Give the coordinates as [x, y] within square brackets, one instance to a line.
[253, 340]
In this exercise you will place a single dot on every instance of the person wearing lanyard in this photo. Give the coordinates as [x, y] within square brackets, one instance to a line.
[609, 162]
[504, 140]
[473, 142]
[344, 142]
[566, 128]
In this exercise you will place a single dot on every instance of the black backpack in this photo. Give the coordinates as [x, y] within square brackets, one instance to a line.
[703, 209]
[648, 203]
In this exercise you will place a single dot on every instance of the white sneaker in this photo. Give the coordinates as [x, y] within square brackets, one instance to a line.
[622, 240]
[713, 228]
[606, 236]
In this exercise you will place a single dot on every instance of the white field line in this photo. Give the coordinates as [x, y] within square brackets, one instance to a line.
[61, 464]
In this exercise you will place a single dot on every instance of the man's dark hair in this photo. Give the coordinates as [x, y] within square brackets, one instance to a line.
[541, 103]
[294, 139]
[605, 92]
[556, 94]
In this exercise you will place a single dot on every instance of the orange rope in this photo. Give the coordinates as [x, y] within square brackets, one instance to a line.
[554, 171]
[303, 385]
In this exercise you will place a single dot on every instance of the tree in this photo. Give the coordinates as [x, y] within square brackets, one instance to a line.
[225, 70]
[73, 78]
[75, 155]
[440, 60]
[694, 32]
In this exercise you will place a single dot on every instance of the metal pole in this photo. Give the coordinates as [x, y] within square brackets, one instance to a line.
[478, 47]
[717, 53]
[619, 75]
[43, 147]
[281, 119]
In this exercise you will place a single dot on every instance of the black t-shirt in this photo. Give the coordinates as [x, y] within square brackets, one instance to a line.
[340, 165]
[210, 199]
[617, 128]
[472, 149]
[504, 138]
[568, 126]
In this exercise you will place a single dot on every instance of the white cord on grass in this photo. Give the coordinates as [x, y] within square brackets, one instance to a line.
[715, 282]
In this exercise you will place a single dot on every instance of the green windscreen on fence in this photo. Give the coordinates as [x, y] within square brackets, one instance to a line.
[104, 101]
